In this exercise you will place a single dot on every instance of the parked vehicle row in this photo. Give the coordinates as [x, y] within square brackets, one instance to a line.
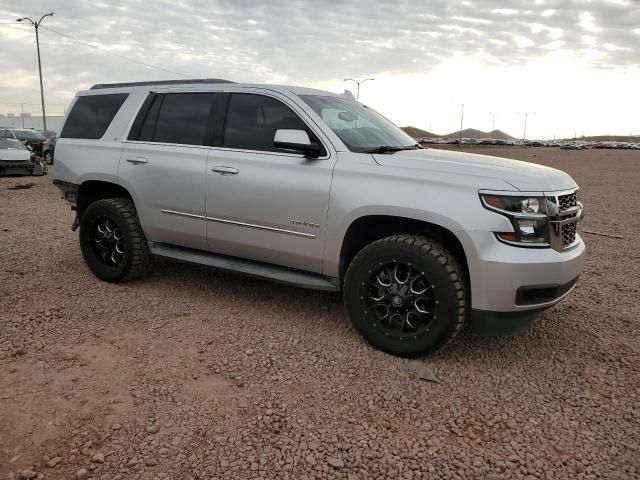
[565, 145]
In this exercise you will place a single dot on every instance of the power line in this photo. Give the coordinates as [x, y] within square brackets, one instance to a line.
[148, 65]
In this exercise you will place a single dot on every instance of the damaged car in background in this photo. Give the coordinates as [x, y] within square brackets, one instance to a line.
[15, 158]
[31, 141]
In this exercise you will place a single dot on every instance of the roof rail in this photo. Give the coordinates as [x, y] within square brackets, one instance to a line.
[99, 86]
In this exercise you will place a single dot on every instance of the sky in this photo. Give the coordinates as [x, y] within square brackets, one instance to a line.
[572, 66]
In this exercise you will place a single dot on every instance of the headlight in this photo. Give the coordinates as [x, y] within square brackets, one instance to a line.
[528, 216]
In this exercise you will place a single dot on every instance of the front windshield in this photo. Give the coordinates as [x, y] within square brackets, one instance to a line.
[10, 143]
[28, 135]
[360, 128]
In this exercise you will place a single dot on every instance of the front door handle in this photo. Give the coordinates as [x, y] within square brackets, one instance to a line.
[137, 160]
[223, 170]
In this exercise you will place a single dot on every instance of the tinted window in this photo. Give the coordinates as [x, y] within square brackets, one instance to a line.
[90, 116]
[179, 118]
[252, 122]
[149, 124]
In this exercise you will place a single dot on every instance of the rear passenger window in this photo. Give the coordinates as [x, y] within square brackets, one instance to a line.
[180, 118]
[252, 122]
[91, 115]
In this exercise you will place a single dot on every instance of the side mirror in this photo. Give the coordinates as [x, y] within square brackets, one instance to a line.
[296, 141]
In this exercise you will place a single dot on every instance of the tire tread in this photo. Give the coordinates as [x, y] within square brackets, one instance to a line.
[429, 246]
[139, 261]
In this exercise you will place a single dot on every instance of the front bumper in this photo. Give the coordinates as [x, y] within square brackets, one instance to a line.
[11, 167]
[493, 324]
[505, 278]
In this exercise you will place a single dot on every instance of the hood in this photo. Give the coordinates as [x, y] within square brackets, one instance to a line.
[522, 176]
[11, 154]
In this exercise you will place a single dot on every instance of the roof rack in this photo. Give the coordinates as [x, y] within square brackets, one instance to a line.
[98, 86]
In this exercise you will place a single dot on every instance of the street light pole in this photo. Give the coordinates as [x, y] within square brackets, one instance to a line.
[461, 118]
[36, 25]
[358, 83]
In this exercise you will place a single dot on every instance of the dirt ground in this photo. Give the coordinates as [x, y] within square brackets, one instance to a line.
[196, 374]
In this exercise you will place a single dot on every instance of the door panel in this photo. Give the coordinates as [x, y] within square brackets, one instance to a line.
[163, 164]
[167, 184]
[274, 209]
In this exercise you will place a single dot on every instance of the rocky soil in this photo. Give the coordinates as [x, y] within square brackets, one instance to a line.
[196, 374]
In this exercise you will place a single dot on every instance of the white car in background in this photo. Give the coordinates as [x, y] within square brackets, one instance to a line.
[15, 158]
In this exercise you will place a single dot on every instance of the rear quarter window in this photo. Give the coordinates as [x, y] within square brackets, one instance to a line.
[91, 115]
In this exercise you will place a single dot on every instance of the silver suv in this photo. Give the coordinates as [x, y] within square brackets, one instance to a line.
[316, 190]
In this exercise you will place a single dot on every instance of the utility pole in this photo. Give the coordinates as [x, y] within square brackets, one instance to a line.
[36, 25]
[493, 124]
[22, 113]
[524, 134]
[461, 118]
[358, 83]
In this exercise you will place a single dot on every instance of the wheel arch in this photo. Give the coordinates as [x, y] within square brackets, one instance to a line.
[367, 229]
[91, 190]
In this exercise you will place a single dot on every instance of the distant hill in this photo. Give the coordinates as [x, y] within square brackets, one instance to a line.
[416, 132]
[467, 133]
[473, 133]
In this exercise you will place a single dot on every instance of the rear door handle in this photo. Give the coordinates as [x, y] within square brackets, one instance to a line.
[137, 160]
[223, 170]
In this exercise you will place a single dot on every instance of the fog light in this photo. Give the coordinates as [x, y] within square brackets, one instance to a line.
[530, 230]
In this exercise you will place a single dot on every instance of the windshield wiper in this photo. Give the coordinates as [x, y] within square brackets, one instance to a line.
[390, 149]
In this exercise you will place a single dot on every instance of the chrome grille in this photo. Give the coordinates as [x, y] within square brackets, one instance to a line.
[568, 234]
[564, 214]
[567, 201]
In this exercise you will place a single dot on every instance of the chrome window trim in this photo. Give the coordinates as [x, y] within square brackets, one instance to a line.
[164, 144]
[270, 152]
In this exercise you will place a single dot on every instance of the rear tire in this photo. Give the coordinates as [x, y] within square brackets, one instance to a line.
[406, 295]
[112, 241]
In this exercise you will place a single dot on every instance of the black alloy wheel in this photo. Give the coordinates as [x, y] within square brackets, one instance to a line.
[406, 294]
[399, 300]
[107, 240]
[112, 241]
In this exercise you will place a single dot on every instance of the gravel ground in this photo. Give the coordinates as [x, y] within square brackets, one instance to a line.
[195, 374]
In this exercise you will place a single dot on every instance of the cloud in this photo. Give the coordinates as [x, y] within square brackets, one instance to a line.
[302, 42]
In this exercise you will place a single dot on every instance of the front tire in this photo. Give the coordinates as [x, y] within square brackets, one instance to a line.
[406, 295]
[112, 241]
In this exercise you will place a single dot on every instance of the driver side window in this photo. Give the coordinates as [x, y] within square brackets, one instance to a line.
[252, 122]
